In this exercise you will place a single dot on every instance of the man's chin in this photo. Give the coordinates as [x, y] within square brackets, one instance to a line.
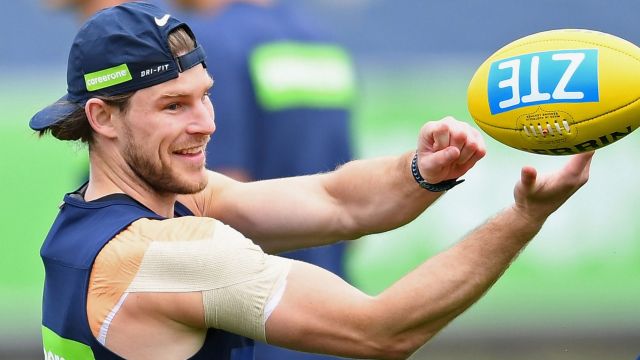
[193, 187]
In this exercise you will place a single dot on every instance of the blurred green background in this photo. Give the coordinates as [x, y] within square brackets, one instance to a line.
[576, 286]
[572, 294]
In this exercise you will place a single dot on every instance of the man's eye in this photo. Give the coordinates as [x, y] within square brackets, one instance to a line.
[173, 106]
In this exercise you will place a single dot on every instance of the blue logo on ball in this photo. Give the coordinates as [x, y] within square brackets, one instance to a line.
[543, 78]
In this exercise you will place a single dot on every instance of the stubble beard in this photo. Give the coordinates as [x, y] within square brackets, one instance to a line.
[157, 176]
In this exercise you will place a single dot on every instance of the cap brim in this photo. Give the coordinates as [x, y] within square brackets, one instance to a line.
[52, 114]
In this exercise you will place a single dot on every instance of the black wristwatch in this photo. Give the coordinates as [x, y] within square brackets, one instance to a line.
[437, 187]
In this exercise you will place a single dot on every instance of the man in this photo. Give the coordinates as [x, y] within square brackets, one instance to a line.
[149, 259]
[262, 131]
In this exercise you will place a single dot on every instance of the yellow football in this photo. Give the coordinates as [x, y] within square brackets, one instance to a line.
[558, 92]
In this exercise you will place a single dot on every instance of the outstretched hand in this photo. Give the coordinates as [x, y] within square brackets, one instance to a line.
[537, 197]
[447, 149]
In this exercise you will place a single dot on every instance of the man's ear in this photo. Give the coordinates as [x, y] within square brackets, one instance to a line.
[101, 117]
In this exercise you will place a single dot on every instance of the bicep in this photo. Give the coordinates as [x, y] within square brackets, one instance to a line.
[279, 214]
[319, 312]
[283, 214]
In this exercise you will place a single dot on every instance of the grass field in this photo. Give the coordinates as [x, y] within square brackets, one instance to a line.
[576, 287]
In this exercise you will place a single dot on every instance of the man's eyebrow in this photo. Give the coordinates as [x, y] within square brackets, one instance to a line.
[179, 94]
[172, 95]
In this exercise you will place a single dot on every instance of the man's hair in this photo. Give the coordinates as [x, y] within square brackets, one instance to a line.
[75, 125]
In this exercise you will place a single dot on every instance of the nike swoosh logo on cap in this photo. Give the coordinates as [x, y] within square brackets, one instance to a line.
[162, 21]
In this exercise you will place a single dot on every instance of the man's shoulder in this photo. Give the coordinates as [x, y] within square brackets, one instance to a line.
[129, 247]
[182, 228]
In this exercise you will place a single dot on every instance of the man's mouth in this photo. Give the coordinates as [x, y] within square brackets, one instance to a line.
[190, 150]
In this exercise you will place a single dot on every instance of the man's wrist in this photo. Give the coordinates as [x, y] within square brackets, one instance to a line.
[534, 223]
[437, 187]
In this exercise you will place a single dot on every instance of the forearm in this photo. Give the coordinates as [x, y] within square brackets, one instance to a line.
[361, 197]
[377, 195]
[423, 302]
[405, 316]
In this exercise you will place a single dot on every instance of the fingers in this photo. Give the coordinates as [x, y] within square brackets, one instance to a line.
[432, 164]
[576, 172]
[539, 196]
[438, 135]
[441, 138]
[473, 150]
[579, 165]
[572, 176]
[448, 148]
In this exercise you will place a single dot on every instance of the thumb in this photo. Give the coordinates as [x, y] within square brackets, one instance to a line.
[526, 185]
[528, 177]
[434, 162]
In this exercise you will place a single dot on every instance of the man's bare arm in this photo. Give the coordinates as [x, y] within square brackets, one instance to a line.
[361, 197]
[319, 312]
[409, 313]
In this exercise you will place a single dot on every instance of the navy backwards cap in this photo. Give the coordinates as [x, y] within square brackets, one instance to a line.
[119, 50]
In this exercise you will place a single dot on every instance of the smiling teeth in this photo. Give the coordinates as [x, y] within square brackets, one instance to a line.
[190, 151]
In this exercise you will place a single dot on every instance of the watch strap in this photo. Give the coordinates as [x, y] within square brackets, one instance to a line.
[437, 187]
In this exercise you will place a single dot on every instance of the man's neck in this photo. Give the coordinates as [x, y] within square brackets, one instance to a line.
[108, 178]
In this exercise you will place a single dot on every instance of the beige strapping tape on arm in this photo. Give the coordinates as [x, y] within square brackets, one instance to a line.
[235, 276]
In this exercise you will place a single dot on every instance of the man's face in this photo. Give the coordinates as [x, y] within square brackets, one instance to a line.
[164, 132]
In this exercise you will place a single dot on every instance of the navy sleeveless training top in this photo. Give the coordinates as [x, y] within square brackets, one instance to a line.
[78, 234]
